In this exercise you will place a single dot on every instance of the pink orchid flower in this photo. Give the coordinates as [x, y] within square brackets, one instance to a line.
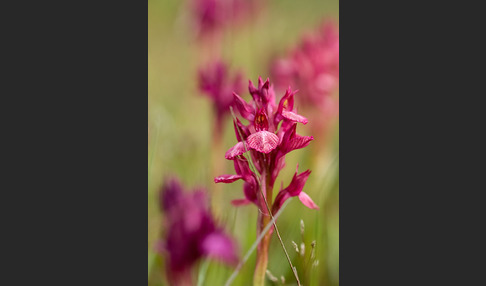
[266, 143]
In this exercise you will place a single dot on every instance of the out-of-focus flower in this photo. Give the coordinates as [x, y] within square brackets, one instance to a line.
[314, 67]
[212, 15]
[191, 232]
[208, 14]
[216, 82]
[268, 137]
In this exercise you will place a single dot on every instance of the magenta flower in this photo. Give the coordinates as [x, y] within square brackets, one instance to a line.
[211, 16]
[191, 232]
[208, 15]
[314, 66]
[268, 137]
[218, 85]
[266, 143]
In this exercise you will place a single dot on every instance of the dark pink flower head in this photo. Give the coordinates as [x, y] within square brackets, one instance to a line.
[268, 137]
[191, 231]
[217, 84]
[313, 66]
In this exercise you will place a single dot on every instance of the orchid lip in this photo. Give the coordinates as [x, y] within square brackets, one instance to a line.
[263, 141]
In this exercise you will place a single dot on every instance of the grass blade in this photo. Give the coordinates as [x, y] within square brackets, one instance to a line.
[201, 276]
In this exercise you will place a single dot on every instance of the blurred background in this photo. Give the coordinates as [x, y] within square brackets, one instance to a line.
[180, 136]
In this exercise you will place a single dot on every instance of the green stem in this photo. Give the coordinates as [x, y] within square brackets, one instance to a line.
[269, 212]
[262, 260]
[263, 220]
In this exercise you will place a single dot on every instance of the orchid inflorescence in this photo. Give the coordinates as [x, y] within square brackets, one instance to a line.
[269, 136]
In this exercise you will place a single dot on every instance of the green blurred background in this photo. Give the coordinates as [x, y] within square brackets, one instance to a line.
[180, 130]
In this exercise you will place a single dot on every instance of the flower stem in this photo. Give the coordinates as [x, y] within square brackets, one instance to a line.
[262, 253]
[269, 214]
[264, 218]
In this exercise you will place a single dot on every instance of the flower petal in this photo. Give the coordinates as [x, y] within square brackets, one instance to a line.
[287, 101]
[234, 151]
[280, 199]
[240, 129]
[246, 110]
[299, 142]
[220, 246]
[294, 117]
[292, 141]
[297, 184]
[227, 179]
[263, 141]
[251, 87]
[243, 168]
[250, 190]
[307, 201]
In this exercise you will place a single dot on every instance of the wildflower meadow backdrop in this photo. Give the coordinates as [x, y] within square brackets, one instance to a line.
[243, 142]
